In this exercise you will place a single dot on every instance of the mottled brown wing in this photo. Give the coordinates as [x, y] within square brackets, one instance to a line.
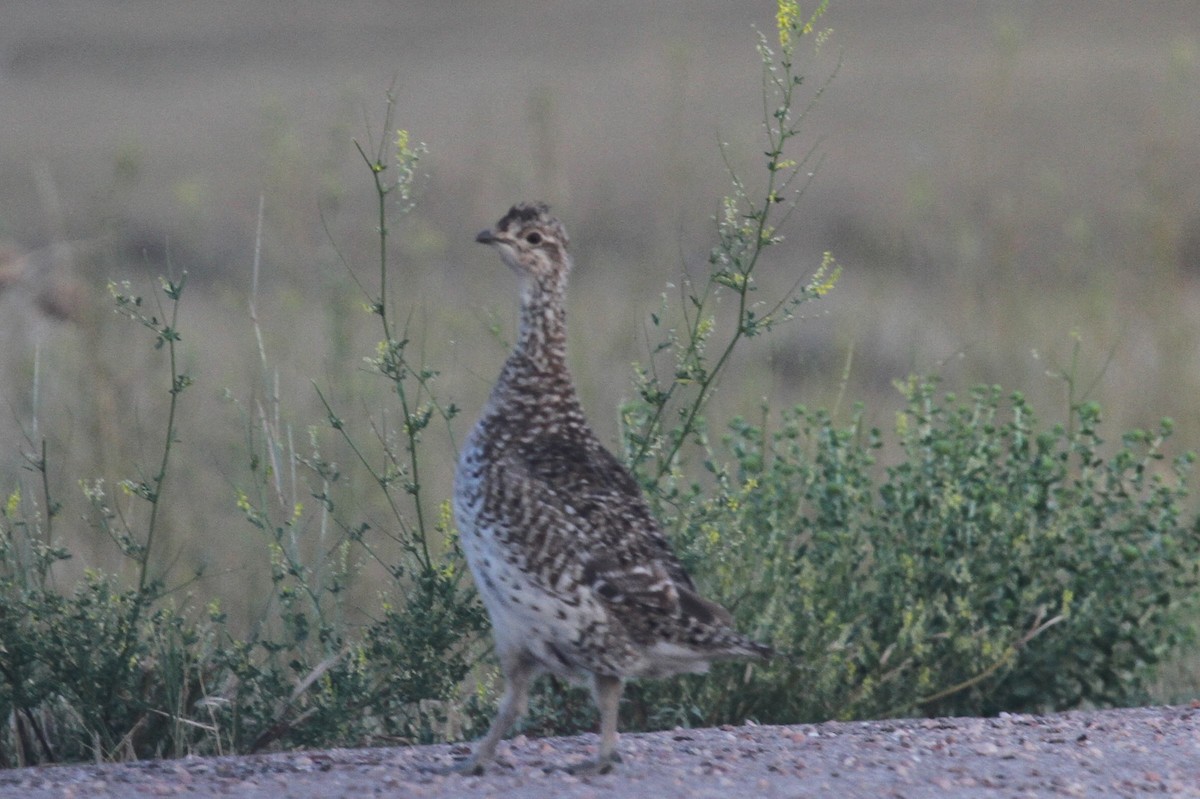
[612, 514]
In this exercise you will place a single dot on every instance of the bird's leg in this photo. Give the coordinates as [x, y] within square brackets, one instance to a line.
[515, 703]
[607, 692]
[608, 699]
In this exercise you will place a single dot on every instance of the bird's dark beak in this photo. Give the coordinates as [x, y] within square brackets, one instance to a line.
[485, 237]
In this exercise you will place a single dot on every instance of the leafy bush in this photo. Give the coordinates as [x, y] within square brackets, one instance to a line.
[992, 565]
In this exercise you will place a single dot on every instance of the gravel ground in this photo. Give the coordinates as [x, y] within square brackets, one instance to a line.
[1126, 753]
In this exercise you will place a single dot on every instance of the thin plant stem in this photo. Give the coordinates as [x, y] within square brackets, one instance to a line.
[168, 336]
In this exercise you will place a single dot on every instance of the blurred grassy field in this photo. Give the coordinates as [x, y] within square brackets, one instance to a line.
[998, 179]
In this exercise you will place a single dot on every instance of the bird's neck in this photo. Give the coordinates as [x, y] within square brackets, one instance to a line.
[542, 340]
[537, 367]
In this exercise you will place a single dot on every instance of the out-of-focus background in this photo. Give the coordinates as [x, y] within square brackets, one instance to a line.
[1004, 182]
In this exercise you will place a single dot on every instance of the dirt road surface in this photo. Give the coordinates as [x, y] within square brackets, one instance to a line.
[1120, 753]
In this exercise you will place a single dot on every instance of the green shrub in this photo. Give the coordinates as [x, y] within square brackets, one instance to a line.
[990, 565]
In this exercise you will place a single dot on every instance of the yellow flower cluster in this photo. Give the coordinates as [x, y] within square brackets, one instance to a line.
[785, 21]
[826, 276]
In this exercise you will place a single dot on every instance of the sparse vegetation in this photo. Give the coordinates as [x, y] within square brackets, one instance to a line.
[965, 559]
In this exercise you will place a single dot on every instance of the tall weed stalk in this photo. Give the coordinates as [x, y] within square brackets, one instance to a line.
[81, 668]
[397, 675]
[693, 348]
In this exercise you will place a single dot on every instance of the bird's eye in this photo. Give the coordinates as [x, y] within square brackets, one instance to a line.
[534, 238]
